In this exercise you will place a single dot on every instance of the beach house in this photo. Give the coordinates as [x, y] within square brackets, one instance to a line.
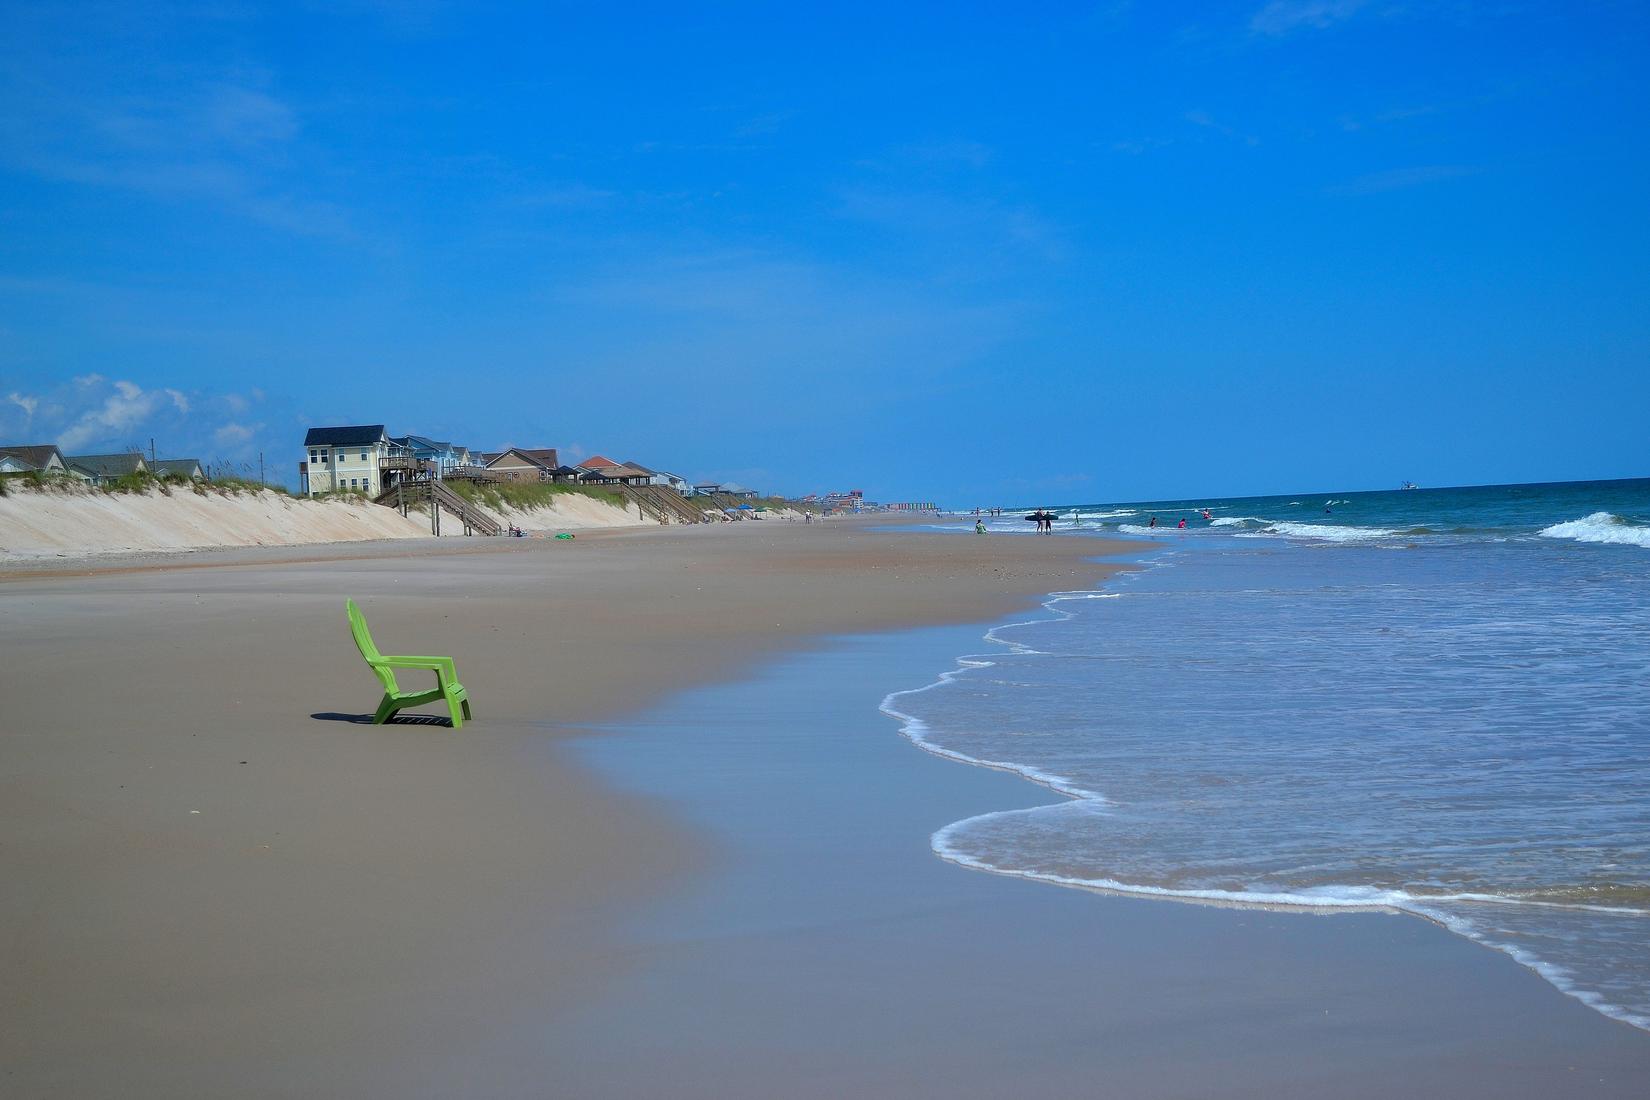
[604, 471]
[102, 469]
[38, 458]
[663, 478]
[434, 457]
[734, 489]
[358, 457]
[189, 468]
[524, 464]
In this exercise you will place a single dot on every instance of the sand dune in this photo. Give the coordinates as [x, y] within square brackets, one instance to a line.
[76, 522]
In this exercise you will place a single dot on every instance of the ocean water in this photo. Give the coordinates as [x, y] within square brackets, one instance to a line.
[1434, 701]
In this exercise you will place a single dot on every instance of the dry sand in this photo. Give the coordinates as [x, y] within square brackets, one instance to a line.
[216, 883]
[219, 882]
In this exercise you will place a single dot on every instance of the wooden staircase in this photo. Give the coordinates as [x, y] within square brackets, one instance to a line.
[659, 503]
[409, 493]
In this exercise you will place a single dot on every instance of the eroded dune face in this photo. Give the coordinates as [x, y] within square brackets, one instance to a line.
[69, 523]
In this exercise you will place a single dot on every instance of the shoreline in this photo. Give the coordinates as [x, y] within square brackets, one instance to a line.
[405, 910]
[222, 880]
[830, 952]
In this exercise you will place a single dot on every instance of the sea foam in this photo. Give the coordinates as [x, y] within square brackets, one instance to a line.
[1600, 527]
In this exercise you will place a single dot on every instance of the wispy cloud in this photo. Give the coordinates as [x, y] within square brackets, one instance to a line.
[87, 107]
[1281, 17]
[982, 228]
[970, 154]
[25, 402]
[1397, 178]
[780, 324]
[234, 435]
[1143, 145]
[1206, 121]
[571, 196]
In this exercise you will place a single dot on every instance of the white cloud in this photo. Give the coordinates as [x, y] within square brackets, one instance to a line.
[24, 401]
[120, 412]
[178, 399]
[87, 381]
[231, 434]
[1281, 17]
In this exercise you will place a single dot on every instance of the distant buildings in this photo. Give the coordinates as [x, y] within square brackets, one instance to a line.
[46, 459]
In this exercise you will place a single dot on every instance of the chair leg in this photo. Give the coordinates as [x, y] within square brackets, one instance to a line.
[385, 709]
[452, 709]
[466, 706]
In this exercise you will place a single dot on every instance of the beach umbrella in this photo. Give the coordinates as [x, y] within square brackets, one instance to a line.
[745, 508]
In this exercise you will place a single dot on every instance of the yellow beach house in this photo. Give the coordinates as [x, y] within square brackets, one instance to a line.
[359, 458]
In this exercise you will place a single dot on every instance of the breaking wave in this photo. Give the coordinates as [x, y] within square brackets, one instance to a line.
[1600, 527]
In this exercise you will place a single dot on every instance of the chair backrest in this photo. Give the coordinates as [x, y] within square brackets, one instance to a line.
[363, 642]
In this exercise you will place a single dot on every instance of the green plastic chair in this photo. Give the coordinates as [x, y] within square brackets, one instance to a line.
[446, 676]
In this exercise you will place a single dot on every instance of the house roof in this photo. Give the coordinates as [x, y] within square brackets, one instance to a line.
[38, 455]
[184, 466]
[419, 442]
[534, 457]
[344, 436]
[109, 465]
[597, 462]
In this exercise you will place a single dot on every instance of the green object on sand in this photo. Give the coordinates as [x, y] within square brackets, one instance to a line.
[446, 676]
[564, 535]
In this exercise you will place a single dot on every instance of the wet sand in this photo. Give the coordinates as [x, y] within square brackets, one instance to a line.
[411, 911]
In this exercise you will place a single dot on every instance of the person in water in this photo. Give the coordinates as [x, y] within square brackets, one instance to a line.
[979, 527]
[1182, 521]
[1153, 523]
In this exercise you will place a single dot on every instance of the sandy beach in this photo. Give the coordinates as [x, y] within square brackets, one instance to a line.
[221, 881]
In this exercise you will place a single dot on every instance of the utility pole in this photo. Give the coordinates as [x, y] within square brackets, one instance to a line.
[261, 481]
[151, 450]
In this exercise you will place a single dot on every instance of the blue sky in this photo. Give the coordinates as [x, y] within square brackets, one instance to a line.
[971, 253]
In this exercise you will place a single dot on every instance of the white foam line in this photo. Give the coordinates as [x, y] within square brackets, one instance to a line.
[1346, 899]
[1332, 899]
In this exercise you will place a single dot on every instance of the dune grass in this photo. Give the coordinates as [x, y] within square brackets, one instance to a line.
[526, 496]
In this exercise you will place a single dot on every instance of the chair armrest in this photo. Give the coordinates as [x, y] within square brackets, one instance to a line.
[442, 665]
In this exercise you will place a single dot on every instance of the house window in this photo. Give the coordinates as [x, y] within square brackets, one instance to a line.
[315, 457]
[363, 456]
